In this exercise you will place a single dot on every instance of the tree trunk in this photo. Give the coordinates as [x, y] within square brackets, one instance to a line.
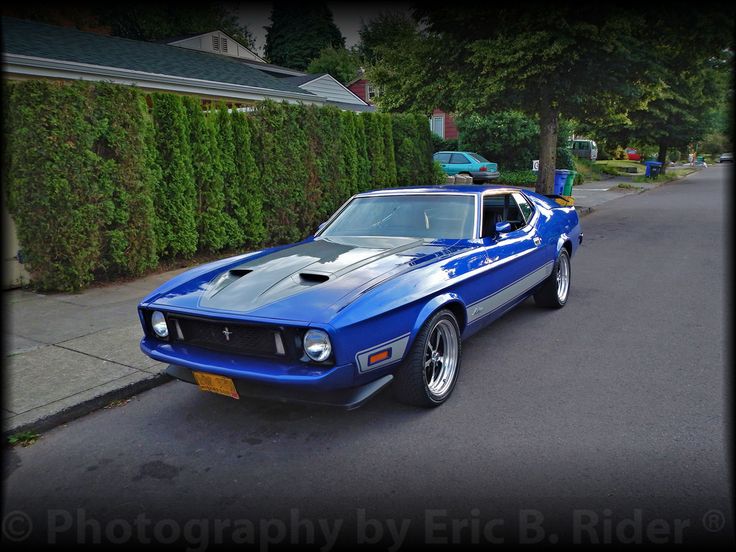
[662, 157]
[548, 127]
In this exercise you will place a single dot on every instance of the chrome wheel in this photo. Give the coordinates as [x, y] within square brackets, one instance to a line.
[563, 278]
[440, 358]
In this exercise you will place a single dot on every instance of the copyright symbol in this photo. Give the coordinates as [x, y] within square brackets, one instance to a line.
[714, 520]
[17, 526]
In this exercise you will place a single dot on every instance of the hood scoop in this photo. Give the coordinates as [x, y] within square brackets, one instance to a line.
[225, 279]
[312, 278]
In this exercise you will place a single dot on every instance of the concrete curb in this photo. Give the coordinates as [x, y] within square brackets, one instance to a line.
[90, 405]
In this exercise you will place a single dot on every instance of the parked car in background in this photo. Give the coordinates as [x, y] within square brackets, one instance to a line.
[468, 163]
[584, 149]
[384, 292]
[726, 158]
[632, 154]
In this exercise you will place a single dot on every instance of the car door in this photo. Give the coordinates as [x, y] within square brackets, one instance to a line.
[517, 260]
[459, 163]
[444, 159]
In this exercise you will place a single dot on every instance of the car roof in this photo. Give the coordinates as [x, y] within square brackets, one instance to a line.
[448, 151]
[470, 189]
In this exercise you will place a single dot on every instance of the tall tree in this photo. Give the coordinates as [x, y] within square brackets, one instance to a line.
[338, 62]
[690, 103]
[577, 61]
[138, 20]
[387, 28]
[299, 32]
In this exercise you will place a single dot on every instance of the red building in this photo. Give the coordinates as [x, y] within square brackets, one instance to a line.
[441, 123]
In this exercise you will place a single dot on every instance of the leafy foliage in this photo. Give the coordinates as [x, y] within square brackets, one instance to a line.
[518, 178]
[338, 62]
[387, 30]
[124, 140]
[245, 193]
[175, 197]
[160, 20]
[212, 220]
[413, 147]
[576, 61]
[299, 32]
[511, 139]
[79, 181]
[380, 150]
[114, 179]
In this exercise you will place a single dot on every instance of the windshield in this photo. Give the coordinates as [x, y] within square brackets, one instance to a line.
[441, 216]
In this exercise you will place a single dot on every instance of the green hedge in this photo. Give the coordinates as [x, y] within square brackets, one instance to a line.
[81, 170]
[105, 180]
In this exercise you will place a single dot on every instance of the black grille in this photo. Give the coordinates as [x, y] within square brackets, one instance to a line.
[226, 336]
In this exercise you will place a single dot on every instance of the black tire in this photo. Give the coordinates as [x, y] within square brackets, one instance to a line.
[410, 385]
[547, 295]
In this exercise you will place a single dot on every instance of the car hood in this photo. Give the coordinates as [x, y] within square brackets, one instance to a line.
[306, 282]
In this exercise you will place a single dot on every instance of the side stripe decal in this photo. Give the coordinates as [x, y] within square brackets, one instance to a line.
[489, 304]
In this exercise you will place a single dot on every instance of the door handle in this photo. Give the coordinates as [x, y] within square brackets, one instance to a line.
[537, 240]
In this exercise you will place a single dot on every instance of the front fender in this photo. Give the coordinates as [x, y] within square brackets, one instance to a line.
[432, 306]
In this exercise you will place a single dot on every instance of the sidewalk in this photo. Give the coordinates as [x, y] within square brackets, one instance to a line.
[69, 354]
[591, 194]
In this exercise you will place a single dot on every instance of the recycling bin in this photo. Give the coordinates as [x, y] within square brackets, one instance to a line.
[560, 178]
[653, 169]
[569, 181]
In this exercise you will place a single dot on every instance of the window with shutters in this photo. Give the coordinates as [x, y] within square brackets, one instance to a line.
[216, 43]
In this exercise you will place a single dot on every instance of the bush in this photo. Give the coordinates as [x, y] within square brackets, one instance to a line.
[124, 141]
[213, 222]
[281, 151]
[55, 194]
[103, 179]
[81, 194]
[364, 163]
[175, 196]
[509, 138]
[414, 148]
[518, 178]
[244, 200]
[439, 144]
[439, 176]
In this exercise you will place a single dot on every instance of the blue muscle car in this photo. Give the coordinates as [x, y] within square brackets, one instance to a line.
[384, 292]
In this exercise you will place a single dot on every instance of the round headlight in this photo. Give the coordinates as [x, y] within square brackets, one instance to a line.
[158, 323]
[317, 345]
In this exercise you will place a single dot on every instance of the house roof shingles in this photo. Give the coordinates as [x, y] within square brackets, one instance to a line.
[30, 38]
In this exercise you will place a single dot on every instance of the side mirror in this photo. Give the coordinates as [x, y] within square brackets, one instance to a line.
[322, 225]
[502, 227]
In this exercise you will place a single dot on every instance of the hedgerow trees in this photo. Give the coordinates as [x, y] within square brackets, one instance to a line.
[246, 193]
[175, 196]
[103, 179]
[213, 221]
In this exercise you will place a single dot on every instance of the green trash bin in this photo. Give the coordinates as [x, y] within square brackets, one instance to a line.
[567, 190]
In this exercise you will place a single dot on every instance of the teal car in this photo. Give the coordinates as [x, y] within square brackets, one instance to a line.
[468, 163]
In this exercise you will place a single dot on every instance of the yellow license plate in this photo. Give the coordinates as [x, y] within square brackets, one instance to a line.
[216, 384]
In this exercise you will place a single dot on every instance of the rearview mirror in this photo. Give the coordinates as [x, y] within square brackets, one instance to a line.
[502, 227]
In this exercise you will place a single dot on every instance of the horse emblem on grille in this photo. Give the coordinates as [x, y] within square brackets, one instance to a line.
[227, 333]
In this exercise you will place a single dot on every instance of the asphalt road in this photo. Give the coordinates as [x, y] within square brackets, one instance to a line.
[601, 421]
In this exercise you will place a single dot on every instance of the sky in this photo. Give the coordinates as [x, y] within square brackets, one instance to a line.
[348, 17]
